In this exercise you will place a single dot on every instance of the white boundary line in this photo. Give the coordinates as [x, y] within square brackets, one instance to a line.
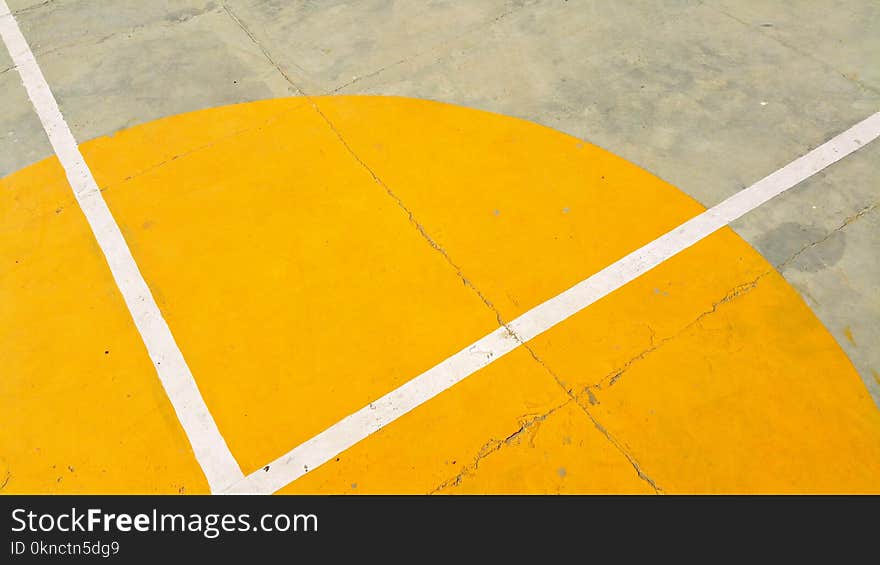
[373, 417]
[211, 451]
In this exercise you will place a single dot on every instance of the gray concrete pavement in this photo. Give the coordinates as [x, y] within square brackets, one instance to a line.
[710, 96]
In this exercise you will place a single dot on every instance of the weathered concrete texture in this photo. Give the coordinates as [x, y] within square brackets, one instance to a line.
[710, 96]
[841, 34]
[5, 62]
[22, 140]
[848, 292]
[823, 237]
[329, 44]
[689, 93]
[19, 6]
[694, 95]
[110, 71]
[840, 283]
[66, 23]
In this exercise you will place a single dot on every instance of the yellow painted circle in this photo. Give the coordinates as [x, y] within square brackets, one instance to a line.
[286, 243]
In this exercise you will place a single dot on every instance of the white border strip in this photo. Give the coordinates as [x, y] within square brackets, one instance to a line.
[211, 451]
[373, 417]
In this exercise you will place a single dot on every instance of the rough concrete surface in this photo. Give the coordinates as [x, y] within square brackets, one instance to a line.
[710, 96]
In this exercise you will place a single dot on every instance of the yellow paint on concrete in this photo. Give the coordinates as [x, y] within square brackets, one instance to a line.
[849, 335]
[81, 407]
[449, 444]
[751, 395]
[299, 290]
[557, 455]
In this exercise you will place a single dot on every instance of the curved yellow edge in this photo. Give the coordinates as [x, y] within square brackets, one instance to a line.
[285, 242]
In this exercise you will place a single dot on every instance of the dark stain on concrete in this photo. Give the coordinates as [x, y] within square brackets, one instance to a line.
[805, 248]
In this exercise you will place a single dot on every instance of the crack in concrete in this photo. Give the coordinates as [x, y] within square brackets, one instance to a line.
[499, 318]
[598, 425]
[494, 446]
[368, 169]
[419, 227]
[526, 425]
[740, 290]
[487, 303]
[611, 378]
[846, 222]
[437, 247]
[372, 173]
[533, 423]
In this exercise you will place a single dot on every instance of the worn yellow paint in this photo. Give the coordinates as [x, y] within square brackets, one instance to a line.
[300, 289]
[557, 455]
[443, 445]
[849, 335]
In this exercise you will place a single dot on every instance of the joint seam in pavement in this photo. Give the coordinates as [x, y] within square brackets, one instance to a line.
[93, 41]
[798, 50]
[439, 46]
[69, 201]
[264, 51]
[437, 247]
[467, 282]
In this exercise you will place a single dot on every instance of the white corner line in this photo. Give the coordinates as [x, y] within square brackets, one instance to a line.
[211, 451]
[373, 417]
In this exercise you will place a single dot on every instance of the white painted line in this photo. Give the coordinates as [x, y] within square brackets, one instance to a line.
[372, 418]
[211, 451]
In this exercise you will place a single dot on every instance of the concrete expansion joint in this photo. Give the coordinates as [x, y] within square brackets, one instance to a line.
[415, 222]
[436, 47]
[619, 445]
[493, 445]
[492, 307]
[199, 149]
[183, 16]
[263, 50]
[103, 188]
